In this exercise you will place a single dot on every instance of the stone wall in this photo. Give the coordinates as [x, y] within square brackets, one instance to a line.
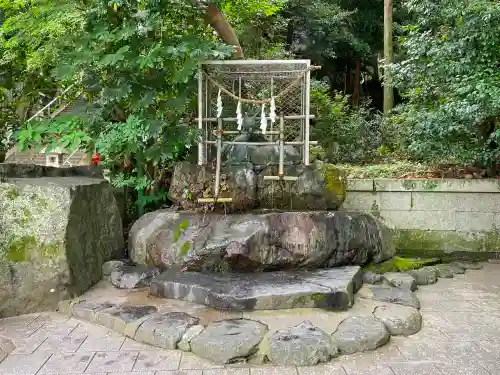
[433, 216]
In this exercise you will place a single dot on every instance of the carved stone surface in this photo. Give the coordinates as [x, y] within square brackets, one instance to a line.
[329, 289]
[258, 241]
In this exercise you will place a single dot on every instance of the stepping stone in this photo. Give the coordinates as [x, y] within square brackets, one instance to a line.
[424, 276]
[389, 294]
[400, 280]
[453, 268]
[185, 343]
[329, 289]
[400, 320]
[301, 345]
[360, 334]
[228, 341]
[116, 318]
[467, 265]
[443, 272]
[132, 277]
[371, 277]
[86, 310]
[165, 330]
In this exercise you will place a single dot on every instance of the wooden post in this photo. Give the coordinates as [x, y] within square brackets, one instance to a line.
[388, 57]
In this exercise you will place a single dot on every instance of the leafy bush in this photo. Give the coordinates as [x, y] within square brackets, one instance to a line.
[450, 78]
[347, 134]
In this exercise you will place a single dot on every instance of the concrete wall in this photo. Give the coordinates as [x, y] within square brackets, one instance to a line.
[428, 216]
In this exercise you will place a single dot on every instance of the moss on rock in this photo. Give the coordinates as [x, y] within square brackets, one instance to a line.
[55, 233]
[19, 249]
[335, 178]
[400, 264]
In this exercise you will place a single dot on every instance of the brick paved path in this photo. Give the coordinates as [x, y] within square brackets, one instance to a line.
[460, 336]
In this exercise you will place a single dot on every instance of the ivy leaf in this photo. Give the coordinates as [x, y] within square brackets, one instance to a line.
[114, 58]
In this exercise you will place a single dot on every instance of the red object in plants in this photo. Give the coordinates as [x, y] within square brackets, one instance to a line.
[96, 158]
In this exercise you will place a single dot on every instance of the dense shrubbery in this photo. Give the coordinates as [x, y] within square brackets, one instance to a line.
[135, 63]
[347, 134]
[449, 74]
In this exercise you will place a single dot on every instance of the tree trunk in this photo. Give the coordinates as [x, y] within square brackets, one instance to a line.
[388, 57]
[216, 19]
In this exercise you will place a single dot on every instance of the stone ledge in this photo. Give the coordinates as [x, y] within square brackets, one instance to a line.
[434, 185]
[331, 289]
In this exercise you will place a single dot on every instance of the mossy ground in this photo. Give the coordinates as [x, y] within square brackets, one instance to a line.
[390, 170]
[400, 264]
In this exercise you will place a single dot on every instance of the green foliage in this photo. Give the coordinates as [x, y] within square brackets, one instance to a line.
[450, 78]
[133, 61]
[65, 132]
[243, 10]
[345, 133]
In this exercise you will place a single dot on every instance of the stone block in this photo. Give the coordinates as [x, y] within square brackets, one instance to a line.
[362, 201]
[455, 201]
[476, 221]
[360, 184]
[376, 201]
[55, 234]
[419, 220]
[438, 185]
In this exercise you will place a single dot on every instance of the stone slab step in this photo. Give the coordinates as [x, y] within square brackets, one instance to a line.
[331, 289]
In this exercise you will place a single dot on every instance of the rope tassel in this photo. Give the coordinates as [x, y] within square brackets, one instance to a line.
[239, 116]
[272, 110]
[219, 104]
[263, 120]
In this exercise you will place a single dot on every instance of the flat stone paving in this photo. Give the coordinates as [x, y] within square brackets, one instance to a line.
[460, 335]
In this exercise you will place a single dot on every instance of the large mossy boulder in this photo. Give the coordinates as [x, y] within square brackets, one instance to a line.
[55, 234]
[258, 241]
[318, 186]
